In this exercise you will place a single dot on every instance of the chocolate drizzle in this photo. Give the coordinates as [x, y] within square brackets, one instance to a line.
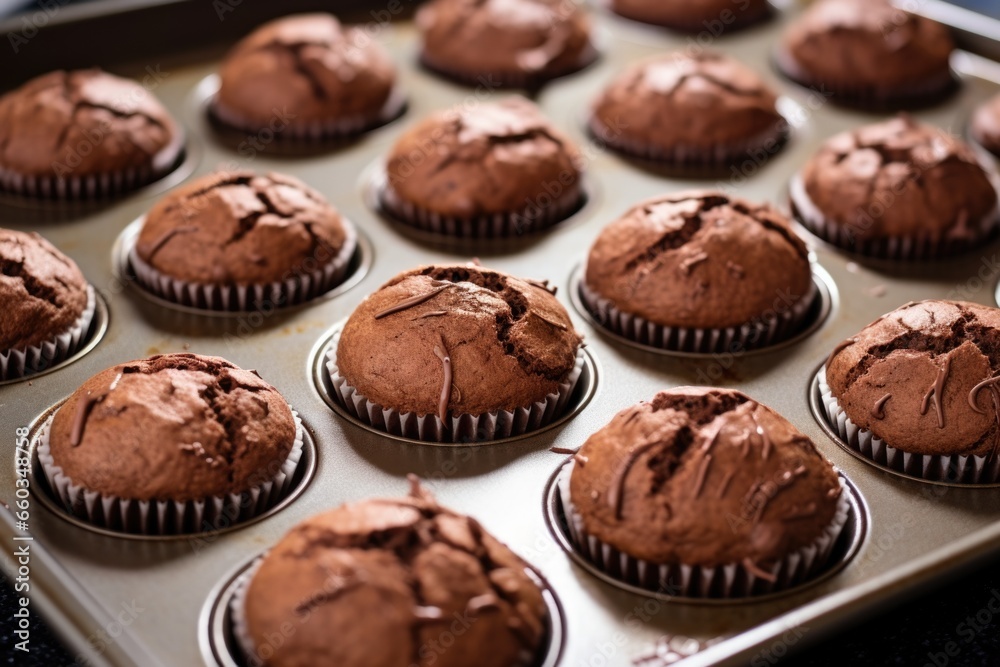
[991, 384]
[557, 325]
[541, 284]
[724, 485]
[412, 301]
[755, 570]
[877, 410]
[936, 391]
[442, 353]
[703, 467]
[617, 487]
[83, 409]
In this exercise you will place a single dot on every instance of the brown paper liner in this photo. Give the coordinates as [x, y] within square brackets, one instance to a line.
[750, 336]
[696, 157]
[330, 129]
[522, 79]
[953, 469]
[905, 248]
[462, 428]
[27, 361]
[730, 581]
[242, 298]
[168, 517]
[498, 225]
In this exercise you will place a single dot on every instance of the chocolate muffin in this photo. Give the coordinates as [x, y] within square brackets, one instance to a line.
[916, 390]
[868, 53]
[986, 125]
[377, 583]
[505, 42]
[237, 240]
[177, 431]
[84, 134]
[497, 169]
[456, 353]
[689, 110]
[47, 305]
[708, 479]
[307, 77]
[715, 17]
[897, 189]
[699, 271]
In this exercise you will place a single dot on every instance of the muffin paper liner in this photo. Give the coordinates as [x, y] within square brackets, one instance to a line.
[697, 581]
[953, 469]
[462, 428]
[27, 361]
[906, 248]
[93, 186]
[333, 128]
[525, 79]
[242, 298]
[497, 225]
[168, 517]
[682, 155]
[753, 335]
[237, 612]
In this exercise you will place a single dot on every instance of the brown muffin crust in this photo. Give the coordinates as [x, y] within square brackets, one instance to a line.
[921, 378]
[986, 125]
[377, 582]
[868, 51]
[713, 16]
[509, 41]
[934, 184]
[501, 157]
[84, 123]
[240, 228]
[42, 292]
[303, 70]
[172, 427]
[703, 476]
[699, 259]
[707, 105]
[510, 342]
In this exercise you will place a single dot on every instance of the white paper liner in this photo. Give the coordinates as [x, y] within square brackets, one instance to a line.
[462, 428]
[955, 469]
[168, 517]
[27, 361]
[94, 186]
[498, 225]
[905, 248]
[686, 155]
[752, 335]
[332, 128]
[697, 581]
[243, 298]
[510, 79]
[237, 612]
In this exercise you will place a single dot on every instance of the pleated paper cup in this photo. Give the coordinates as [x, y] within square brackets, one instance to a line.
[954, 469]
[168, 517]
[238, 614]
[905, 248]
[461, 428]
[752, 335]
[732, 581]
[26, 361]
[531, 218]
[294, 290]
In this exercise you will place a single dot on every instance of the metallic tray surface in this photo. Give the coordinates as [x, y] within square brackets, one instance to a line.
[916, 532]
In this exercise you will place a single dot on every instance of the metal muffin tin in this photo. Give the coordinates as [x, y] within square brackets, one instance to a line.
[82, 580]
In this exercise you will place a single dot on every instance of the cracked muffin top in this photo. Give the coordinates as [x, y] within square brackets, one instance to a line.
[172, 427]
[377, 583]
[508, 342]
[700, 259]
[301, 70]
[42, 292]
[484, 159]
[924, 378]
[680, 99]
[84, 123]
[703, 476]
[898, 178]
[867, 48]
[694, 15]
[241, 228]
[500, 38]
[986, 125]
